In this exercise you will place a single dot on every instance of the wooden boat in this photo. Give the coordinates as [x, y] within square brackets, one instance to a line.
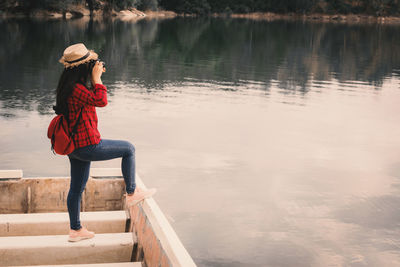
[34, 225]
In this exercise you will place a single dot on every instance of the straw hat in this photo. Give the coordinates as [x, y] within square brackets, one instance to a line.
[77, 54]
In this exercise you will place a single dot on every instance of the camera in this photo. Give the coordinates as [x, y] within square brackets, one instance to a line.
[93, 62]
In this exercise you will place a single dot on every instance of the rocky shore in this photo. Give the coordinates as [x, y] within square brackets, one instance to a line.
[134, 14]
[80, 11]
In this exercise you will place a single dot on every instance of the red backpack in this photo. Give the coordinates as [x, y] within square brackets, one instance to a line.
[62, 141]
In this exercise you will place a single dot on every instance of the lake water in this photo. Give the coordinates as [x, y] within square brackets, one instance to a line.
[270, 143]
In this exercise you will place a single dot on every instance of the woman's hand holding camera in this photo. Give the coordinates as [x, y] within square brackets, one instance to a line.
[97, 71]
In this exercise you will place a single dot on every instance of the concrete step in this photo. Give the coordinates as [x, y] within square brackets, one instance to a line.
[55, 249]
[113, 264]
[58, 223]
[10, 174]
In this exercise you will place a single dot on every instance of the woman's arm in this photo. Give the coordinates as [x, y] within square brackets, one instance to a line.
[98, 97]
[97, 71]
[83, 96]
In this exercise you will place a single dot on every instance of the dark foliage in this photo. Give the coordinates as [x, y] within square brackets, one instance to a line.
[204, 7]
[374, 7]
[148, 5]
[58, 5]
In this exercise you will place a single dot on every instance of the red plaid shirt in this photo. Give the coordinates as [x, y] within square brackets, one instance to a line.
[86, 133]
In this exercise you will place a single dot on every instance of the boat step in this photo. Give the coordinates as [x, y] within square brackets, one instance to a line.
[58, 223]
[55, 249]
[113, 264]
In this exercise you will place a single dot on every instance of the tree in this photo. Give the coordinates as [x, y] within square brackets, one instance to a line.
[148, 5]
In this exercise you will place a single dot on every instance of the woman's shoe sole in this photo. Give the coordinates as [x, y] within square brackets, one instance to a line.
[76, 239]
[133, 203]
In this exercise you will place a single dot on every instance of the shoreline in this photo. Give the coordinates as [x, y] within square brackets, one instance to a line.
[79, 12]
[134, 14]
[318, 17]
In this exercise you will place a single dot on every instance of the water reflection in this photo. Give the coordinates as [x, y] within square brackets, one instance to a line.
[155, 53]
[281, 138]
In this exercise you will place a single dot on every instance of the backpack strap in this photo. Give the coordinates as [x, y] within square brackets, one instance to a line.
[76, 124]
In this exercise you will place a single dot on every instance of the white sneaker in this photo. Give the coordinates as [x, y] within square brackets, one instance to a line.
[138, 196]
[81, 234]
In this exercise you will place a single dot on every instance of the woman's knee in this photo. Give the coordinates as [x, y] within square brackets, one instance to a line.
[74, 193]
[130, 148]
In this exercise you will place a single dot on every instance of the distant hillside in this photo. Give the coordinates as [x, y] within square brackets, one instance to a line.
[205, 7]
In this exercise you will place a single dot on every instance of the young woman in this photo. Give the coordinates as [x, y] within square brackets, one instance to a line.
[80, 90]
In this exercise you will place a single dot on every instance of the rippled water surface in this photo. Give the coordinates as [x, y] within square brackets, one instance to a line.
[271, 143]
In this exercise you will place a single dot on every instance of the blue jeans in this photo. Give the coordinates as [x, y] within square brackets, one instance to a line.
[80, 160]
